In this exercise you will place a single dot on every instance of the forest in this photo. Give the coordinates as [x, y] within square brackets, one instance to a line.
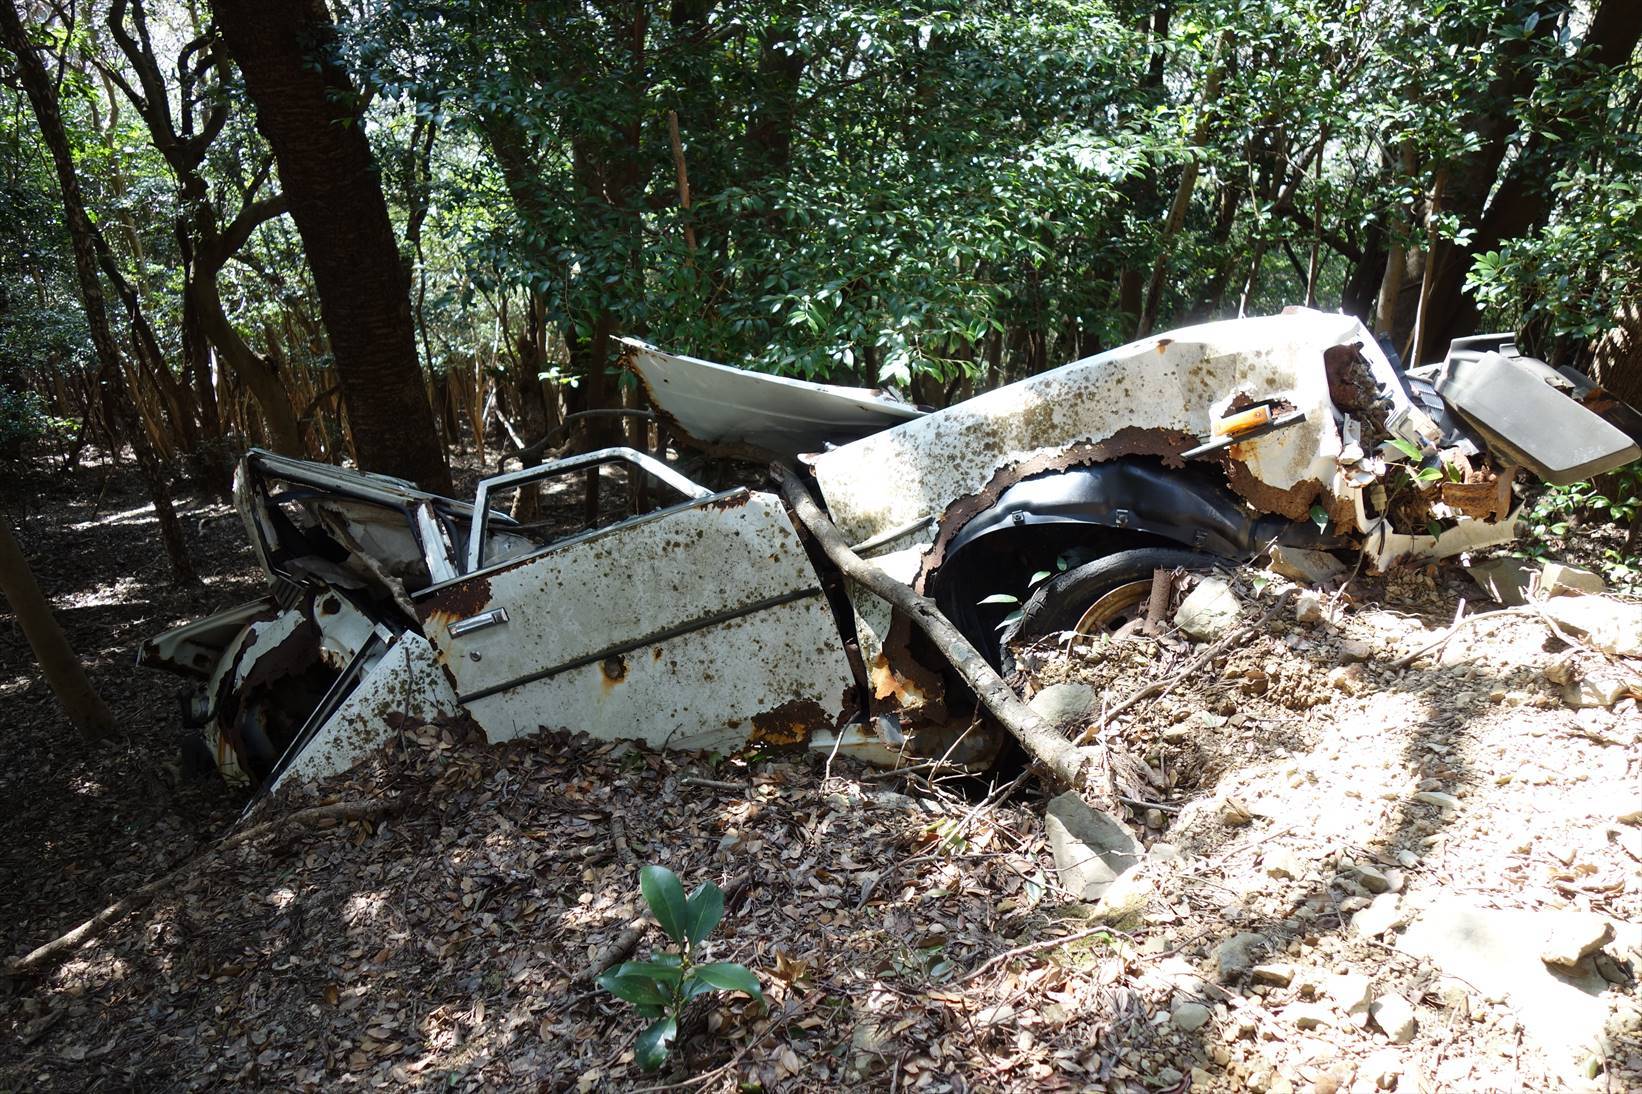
[409, 238]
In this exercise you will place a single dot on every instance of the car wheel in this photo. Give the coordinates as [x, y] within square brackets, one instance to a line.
[1098, 597]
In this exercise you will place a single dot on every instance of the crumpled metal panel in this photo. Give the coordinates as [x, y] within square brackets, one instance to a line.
[1167, 386]
[697, 627]
[748, 413]
[405, 681]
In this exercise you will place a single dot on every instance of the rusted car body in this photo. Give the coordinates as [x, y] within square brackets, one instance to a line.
[694, 618]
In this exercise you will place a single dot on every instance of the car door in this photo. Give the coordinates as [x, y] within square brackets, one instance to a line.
[699, 624]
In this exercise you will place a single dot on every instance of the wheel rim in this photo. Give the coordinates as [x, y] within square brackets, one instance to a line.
[1113, 609]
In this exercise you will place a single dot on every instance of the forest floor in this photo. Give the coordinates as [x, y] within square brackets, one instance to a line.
[1351, 879]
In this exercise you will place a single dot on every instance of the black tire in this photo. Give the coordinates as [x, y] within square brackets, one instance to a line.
[1061, 600]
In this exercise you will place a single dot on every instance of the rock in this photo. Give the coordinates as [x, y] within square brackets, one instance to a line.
[1395, 1017]
[1574, 936]
[1383, 914]
[1352, 994]
[1496, 951]
[1383, 1069]
[1438, 799]
[1061, 704]
[1280, 862]
[1560, 579]
[1091, 848]
[1124, 901]
[1595, 692]
[1234, 814]
[1168, 1078]
[1306, 567]
[1190, 1016]
[1504, 579]
[1307, 1015]
[1561, 670]
[1352, 651]
[1233, 957]
[1350, 679]
[1277, 974]
[1309, 608]
[1209, 611]
[1609, 625]
[1371, 878]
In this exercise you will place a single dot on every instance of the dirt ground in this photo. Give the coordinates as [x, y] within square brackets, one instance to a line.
[1330, 839]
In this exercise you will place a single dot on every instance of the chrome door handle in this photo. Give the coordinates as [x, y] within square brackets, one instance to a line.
[477, 622]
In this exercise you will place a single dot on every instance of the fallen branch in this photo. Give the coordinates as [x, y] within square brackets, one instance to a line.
[1442, 639]
[1070, 765]
[1159, 687]
[318, 816]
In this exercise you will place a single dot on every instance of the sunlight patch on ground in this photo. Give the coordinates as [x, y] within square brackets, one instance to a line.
[142, 514]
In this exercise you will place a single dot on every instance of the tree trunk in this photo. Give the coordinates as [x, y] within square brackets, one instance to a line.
[64, 673]
[42, 95]
[309, 112]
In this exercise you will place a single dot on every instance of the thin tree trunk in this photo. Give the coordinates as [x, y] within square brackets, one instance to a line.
[116, 400]
[308, 111]
[63, 671]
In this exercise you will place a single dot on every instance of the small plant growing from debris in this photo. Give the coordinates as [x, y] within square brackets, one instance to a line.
[660, 987]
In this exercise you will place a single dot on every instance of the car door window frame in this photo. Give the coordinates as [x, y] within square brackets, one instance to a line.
[474, 556]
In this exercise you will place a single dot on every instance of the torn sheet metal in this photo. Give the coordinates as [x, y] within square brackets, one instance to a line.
[403, 682]
[1161, 392]
[701, 626]
[751, 412]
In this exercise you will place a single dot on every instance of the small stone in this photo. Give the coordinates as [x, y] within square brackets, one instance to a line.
[1503, 579]
[1383, 1069]
[1353, 651]
[1064, 704]
[1352, 993]
[1395, 1017]
[1281, 862]
[1091, 849]
[1169, 1078]
[1561, 670]
[1308, 608]
[1594, 692]
[1306, 567]
[1559, 579]
[1573, 936]
[1307, 1015]
[1610, 970]
[1437, 798]
[1209, 611]
[1190, 1016]
[1278, 975]
[1232, 958]
[1381, 915]
[1350, 679]
[1154, 819]
[1233, 813]
[1371, 878]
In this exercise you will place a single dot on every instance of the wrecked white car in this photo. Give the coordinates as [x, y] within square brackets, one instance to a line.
[649, 607]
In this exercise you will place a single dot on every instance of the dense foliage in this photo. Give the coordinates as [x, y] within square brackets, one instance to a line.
[933, 195]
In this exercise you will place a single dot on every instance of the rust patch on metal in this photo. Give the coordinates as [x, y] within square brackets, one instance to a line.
[458, 601]
[612, 671]
[1128, 441]
[1294, 503]
[1489, 501]
[295, 654]
[1351, 383]
[734, 501]
[791, 723]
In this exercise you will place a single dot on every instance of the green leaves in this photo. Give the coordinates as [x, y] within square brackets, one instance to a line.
[660, 987]
[687, 920]
[724, 976]
[650, 1050]
[999, 598]
[665, 896]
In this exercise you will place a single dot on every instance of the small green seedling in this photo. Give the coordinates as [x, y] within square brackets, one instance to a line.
[661, 986]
